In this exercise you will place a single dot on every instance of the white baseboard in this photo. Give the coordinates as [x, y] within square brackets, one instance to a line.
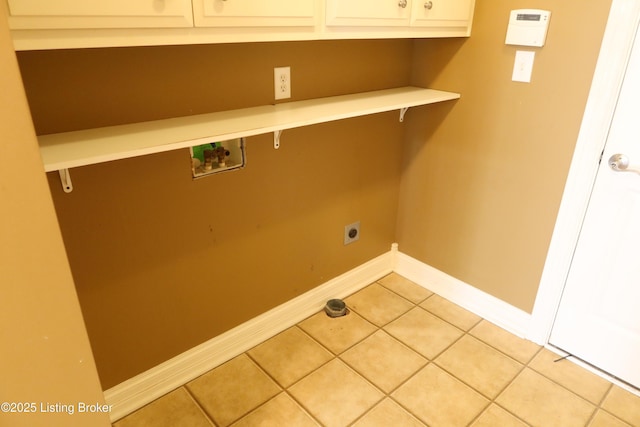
[142, 389]
[484, 305]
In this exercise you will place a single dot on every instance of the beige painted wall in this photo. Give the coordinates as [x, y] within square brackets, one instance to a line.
[163, 263]
[45, 355]
[482, 180]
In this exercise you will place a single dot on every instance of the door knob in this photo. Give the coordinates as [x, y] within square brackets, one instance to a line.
[402, 3]
[428, 5]
[620, 163]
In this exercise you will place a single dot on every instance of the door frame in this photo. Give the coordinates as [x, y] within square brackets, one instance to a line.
[615, 51]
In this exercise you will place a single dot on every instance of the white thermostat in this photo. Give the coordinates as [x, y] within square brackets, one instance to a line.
[528, 27]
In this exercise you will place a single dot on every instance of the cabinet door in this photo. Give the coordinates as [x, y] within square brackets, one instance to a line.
[370, 13]
[62, 14]
[254, 13]
[441, 13]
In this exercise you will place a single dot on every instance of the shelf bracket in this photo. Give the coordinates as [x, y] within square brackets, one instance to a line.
[402, 112]
[65, 179]
[276, 139]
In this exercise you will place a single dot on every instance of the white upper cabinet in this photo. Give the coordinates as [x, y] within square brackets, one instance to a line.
[254, 13]
[67, 24]
[371, 13]
[399, 13]
[441, 13]
[74, 14]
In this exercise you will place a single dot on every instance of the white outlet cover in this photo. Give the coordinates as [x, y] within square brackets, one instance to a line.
[282, 82]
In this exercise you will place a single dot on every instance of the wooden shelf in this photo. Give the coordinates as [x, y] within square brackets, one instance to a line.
[72, 149]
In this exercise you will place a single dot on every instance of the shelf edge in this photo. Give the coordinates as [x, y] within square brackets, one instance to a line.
[270, 118]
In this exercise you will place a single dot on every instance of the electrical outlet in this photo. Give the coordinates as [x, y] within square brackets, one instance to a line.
[282, 82]
[351, 232]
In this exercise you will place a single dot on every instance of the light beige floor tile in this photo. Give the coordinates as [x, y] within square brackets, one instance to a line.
[405, 288]
[623, 405]
[541, 402]
[451, 312]
[176, 409]
[339, 333]
[568, 374]
[384, 361]
[604, 419]
[378, 305]
[289, 356]
[387, 414]
[424, 332]
[232, 390]
[479, 365]
[335, 395]
[438, 399]
[495, 416]
[513, 346]
[281, 411]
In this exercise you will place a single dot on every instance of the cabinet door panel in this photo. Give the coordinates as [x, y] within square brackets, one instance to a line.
[373, 13]
[441, 13]
[254, 13]
[60, 14]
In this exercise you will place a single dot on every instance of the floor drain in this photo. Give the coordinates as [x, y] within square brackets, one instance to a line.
[335, 308]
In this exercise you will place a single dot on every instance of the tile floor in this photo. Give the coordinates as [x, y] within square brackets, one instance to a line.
[401, 357]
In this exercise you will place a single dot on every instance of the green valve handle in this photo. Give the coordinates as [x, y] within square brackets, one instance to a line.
[198, 151]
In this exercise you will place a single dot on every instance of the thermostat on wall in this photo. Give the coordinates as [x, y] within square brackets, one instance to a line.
[528, 27]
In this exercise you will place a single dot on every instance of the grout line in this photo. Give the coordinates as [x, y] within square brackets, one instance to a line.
[389, 290]
[583, 364]
[402, 296]
[613, 415]
[605, 395]
[597, 405]
[601, 408]
[282, 391]
[593, 415]
[315, 340]
[202, 410]
[388, 395]
[481, 413]
[302, 407]
[367, 412]
[282, 387]
[500, 350]
[408, 411]
[523, 366]
[338, 356]
[263, 370]
[501, 392]
[257, 365]
[429, 360]
[491, 400]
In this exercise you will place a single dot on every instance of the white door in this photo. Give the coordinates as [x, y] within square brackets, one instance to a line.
[599, 316]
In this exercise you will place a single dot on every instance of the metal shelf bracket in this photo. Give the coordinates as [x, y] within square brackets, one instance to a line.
[402, 112]
[276, 139]
[65, 179]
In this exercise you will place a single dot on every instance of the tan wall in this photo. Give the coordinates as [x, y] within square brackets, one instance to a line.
[482, 180]
[163, 263]
[45, 355]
